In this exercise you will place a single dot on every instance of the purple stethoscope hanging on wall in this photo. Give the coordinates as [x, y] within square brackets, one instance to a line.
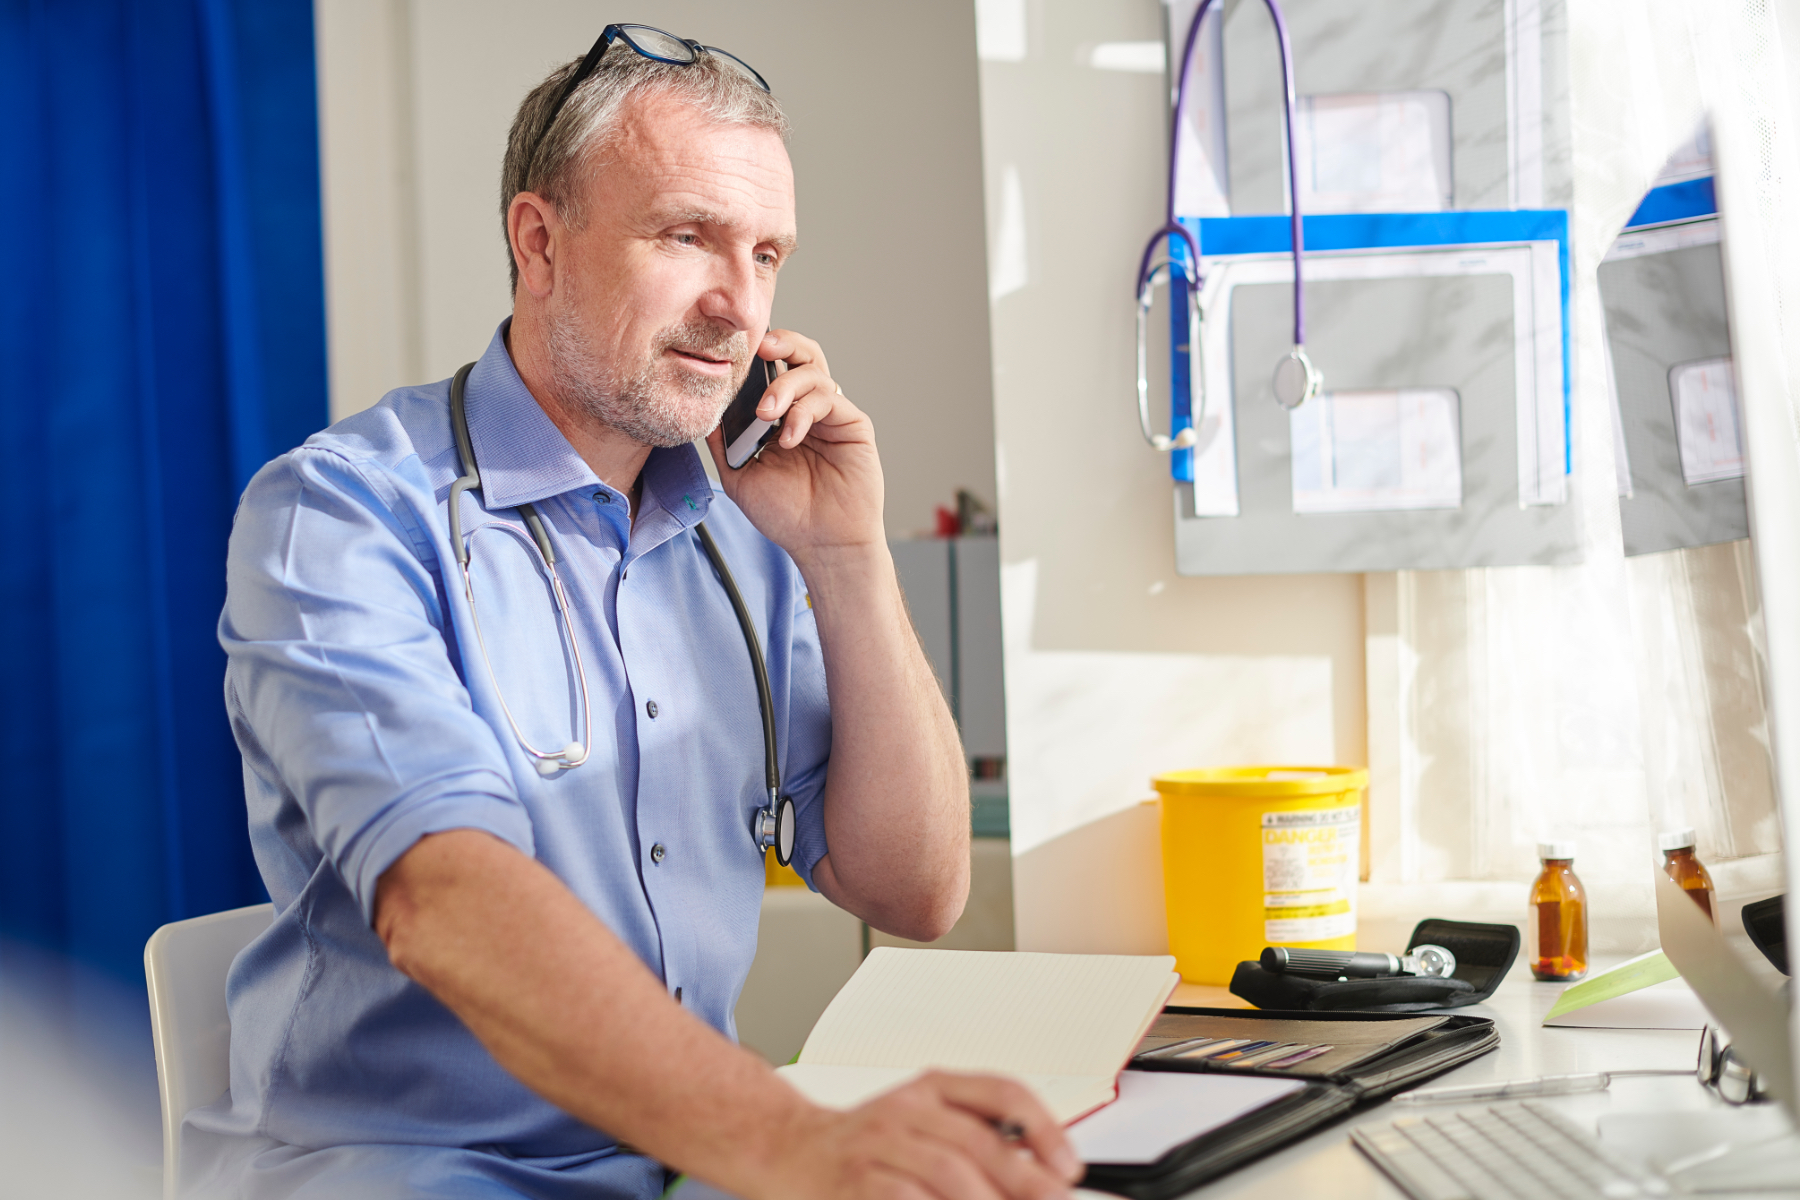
[1296, 379]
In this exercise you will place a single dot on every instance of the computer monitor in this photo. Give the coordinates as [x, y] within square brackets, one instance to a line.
[1708, 457]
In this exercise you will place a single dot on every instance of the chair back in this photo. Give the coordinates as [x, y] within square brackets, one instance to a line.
[185, 964]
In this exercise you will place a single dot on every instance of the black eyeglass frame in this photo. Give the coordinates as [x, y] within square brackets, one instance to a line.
[622, 33]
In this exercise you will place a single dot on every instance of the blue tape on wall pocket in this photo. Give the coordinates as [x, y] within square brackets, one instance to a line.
[1686, 201]
[1270, 234]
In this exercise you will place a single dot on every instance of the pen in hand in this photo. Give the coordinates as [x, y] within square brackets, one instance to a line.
[1009, 1131]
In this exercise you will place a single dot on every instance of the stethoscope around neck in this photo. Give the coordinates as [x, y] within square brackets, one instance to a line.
[1296, 379]
[773, 826]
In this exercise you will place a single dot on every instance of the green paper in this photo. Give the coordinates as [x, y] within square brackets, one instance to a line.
[1633, 975]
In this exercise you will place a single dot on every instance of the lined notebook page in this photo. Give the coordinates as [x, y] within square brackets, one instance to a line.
[1004, 1011]
[1065, 1096]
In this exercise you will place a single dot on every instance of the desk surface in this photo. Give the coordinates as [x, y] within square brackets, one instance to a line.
[1326, 1164]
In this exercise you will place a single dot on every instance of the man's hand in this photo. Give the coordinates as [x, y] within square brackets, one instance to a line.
[935, 1138]
[818, 486]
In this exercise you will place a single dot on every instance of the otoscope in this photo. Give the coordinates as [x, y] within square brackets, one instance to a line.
[1359, 964]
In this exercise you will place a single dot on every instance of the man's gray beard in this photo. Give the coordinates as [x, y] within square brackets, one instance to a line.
[657, 404]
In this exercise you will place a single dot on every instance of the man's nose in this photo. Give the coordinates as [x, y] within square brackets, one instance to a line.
[735, 295]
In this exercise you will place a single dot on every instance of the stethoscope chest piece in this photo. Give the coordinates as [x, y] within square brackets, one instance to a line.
[1296, 380]
[775, 829]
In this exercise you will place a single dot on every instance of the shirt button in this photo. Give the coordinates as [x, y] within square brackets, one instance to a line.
[602, 498]
[657, 852]
[650, 707]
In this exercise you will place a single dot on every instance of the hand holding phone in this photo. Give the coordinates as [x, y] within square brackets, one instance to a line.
[746, 433]
[821, 488]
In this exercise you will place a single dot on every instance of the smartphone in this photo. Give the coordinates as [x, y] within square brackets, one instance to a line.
[745, 433]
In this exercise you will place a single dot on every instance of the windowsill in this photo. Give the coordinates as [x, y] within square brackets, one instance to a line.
[1620, 922]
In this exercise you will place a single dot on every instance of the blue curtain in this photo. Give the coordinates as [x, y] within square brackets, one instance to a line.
[162, 335]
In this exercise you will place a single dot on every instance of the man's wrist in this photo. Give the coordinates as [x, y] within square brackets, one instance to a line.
[844, 566]
[766, 1163]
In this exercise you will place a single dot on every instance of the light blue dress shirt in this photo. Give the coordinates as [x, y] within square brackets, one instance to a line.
[368, 719]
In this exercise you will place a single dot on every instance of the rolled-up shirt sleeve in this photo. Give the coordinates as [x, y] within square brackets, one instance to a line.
[340, 676]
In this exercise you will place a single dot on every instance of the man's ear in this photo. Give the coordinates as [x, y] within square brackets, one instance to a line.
[533, 227]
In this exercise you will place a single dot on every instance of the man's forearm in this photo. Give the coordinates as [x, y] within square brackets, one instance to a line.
[564, 1006]
[897, 788]
[567, 1008]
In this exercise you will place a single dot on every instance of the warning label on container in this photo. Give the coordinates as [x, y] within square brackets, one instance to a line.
[1309, 874]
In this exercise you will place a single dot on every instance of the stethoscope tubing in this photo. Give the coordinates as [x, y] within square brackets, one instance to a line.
[569, 757]
[1291, 391]
[1168, 267]
[1289, 107]
[774, 828]
[764, 695]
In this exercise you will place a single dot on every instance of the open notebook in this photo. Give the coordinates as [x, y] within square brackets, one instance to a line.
[1062, 1024]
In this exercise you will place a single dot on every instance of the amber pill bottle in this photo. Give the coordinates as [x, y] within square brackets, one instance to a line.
[1557, 925]
[1681, 865]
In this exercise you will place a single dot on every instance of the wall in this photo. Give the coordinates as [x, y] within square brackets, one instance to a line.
[1116, 667]
[415, 102]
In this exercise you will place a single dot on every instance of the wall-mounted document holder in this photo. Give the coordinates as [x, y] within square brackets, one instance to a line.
[1677, 441]
[1407, 106]
[1442, 439]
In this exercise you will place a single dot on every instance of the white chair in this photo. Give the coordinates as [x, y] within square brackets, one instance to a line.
[185, 964]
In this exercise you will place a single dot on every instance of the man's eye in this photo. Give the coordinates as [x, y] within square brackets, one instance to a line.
[767, 259]
[688, 239]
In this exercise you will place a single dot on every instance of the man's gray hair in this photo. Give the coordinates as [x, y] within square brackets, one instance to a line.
[574, 149]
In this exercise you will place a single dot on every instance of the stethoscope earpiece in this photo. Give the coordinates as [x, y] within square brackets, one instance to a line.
[1167, 269]
[1187, 439]
[566, 759]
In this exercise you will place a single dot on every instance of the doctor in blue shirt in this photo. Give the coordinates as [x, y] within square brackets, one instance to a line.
[483, 980]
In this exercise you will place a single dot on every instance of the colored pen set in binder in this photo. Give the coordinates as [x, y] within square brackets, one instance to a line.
[1241, 1052]
[1322, 1046]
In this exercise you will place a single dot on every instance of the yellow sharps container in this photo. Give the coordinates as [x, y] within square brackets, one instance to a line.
[1258, 856]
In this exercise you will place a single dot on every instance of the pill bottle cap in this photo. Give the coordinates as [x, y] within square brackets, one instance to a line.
[1550, 850]
[1675, 839]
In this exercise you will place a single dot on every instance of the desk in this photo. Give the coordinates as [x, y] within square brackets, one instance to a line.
[1326, 1164]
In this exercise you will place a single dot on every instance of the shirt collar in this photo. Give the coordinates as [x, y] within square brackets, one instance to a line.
[675, 486]
[525, 458]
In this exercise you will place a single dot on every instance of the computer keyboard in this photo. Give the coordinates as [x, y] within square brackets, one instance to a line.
[1503, 1152]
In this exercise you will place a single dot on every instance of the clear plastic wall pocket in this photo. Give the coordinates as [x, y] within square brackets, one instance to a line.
[1309, 874]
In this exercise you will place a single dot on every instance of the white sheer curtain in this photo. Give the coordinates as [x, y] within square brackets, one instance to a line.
[1599, 702]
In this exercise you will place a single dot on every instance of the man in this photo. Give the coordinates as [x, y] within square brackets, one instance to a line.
[513, 865]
